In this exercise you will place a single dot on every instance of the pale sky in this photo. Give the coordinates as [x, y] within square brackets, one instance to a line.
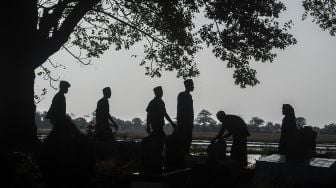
[302, 75]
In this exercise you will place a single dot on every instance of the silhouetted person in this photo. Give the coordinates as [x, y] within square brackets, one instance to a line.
[66, 158]
[179, 142]
[298, 145]
[103, 129]
[57, 110]
[235, 127]
[185, 115]
[288, 130]
[153, 144]
[156, 112]
[308, 136]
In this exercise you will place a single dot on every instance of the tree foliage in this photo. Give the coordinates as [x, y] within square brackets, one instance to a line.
[329, 129]
[237, 31]
[137, 122]
[323, 13]
[204, 118]
[256, 122]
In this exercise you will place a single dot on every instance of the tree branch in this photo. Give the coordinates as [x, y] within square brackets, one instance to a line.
[61, 36]
[55, 66]
[218, 31]
[48, 21]
[48, 76]
[76, 57]
[162, 42]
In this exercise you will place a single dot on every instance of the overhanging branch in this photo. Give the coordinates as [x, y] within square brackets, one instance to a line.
[76, 57]
[60, 37]
[48, 76]
[162, 42]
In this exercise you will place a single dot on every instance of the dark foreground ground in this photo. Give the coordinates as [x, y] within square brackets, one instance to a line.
[120, 164]
[22, 170]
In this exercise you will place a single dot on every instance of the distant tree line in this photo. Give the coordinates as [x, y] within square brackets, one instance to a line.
[83, 123]
[204, 122]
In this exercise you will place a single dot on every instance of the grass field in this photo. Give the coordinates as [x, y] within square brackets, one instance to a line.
[255, 137]
[266, 137]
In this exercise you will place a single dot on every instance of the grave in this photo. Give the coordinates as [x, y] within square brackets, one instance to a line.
[273, 170]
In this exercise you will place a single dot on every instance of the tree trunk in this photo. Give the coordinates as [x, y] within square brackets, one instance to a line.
[18, 129]
[18, 61]
[24, 48]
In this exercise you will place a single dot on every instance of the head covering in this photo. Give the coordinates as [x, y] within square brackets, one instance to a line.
[106, 90]
[288, 110]
[188, 82]
[157, 90]
[64, 84]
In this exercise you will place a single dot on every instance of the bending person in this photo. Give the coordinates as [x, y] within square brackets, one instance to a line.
[235, 127]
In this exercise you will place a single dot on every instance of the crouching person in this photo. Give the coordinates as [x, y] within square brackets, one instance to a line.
[236, 127]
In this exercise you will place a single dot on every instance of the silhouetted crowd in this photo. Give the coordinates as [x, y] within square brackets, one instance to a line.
[67, 155]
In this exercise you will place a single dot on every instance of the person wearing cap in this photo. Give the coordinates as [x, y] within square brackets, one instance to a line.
[152, 145]
[103, 116]
[64, 146]
[185, 115]
[156, 112]
[57, 110]
[235, 127]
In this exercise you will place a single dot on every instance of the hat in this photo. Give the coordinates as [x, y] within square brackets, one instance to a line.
[188, 82]
[64, 84]
[106, 89]
[157, 89]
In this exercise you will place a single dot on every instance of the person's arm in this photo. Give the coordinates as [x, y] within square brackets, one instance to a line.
[219, 135]
[148, 124]
[113, 122]
[170, 120]
[228, 134]
[179, 107]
